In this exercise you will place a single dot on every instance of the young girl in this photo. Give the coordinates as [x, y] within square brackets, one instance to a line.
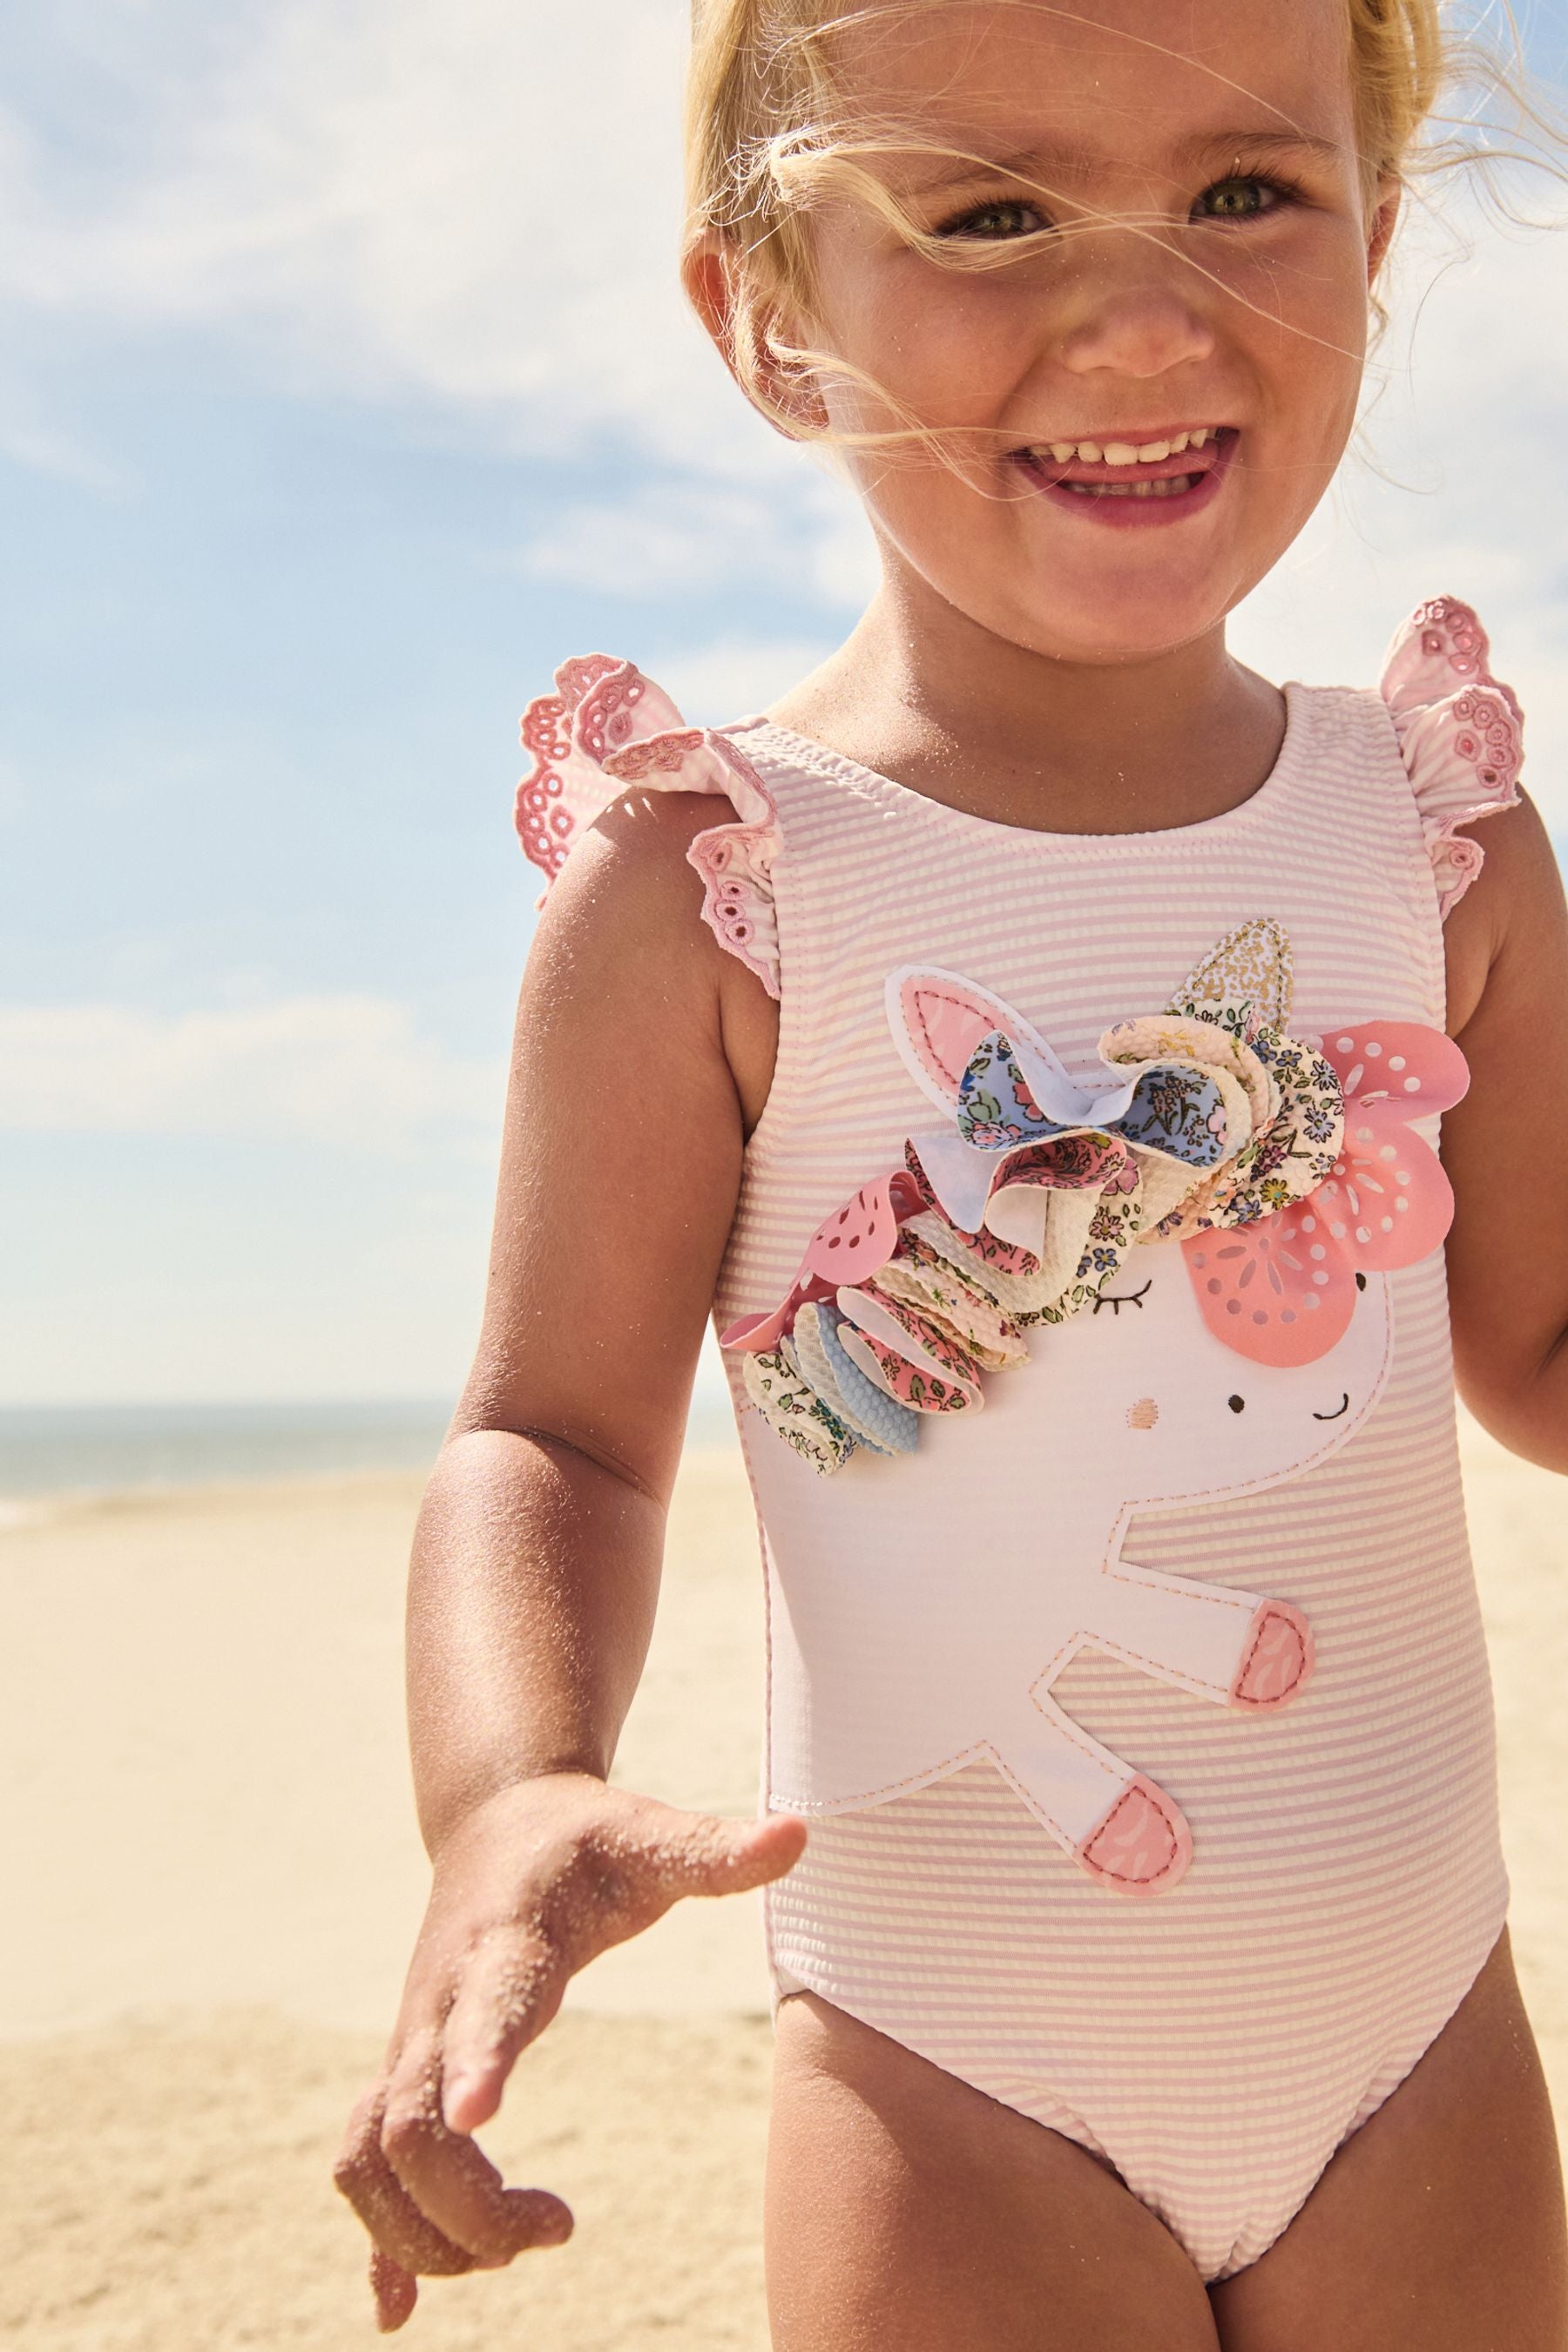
[1029, 1039]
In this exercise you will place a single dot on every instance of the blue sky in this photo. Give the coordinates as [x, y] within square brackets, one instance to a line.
[344, 389]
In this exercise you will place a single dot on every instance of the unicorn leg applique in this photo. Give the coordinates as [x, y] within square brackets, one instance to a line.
[1220, 1642]
[1116, 1825]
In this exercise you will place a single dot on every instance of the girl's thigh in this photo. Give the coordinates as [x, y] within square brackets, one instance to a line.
[908, 2212]
[1439, 2226]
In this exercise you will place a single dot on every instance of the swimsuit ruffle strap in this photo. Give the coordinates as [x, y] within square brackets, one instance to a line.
[1461, 735]
[608, 726]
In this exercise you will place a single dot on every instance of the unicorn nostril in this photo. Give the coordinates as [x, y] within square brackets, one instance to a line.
[1144, 1415]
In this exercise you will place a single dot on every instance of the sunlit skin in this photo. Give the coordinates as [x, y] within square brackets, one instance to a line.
[1041, 667]
[1209, 264]
[1215, 237]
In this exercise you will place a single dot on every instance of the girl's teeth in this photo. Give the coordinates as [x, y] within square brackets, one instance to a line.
[1125, 453]
[1171, 487]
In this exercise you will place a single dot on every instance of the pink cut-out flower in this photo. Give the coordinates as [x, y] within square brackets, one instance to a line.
[1282, 1289]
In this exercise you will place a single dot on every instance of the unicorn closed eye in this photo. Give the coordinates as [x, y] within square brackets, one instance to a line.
[1180, 1271]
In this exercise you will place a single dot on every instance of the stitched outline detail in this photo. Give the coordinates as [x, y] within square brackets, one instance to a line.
[1147, 1790]
[1273, 1612]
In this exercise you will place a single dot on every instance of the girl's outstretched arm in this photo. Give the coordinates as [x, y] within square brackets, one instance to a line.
[1506, 1145]
[642, 1056]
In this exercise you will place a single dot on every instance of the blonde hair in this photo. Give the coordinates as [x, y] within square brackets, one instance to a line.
[762, 134]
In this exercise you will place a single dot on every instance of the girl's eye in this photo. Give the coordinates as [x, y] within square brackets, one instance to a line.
[1241, 197]
[1007, 217]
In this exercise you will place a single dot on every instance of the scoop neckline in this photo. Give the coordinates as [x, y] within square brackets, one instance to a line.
[871, 784]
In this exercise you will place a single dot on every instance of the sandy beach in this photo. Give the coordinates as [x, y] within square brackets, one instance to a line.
[212, 1877]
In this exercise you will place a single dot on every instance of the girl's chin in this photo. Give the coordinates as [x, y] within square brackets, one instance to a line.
[1090, 596]
[1118, 623]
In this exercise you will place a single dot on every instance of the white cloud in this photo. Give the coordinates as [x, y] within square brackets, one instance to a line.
[45, 448]
[677, 535]
[734, 680]
[665, 538]
[339, 1070]
[475, 202]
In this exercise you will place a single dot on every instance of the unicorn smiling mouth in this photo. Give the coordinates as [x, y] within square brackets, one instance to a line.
[1342, 1407]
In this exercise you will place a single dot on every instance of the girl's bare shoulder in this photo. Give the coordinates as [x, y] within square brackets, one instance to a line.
[1504, 934]
[622, 944]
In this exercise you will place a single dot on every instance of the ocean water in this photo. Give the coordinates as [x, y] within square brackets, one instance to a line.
[104, 1449]
[109, 1449]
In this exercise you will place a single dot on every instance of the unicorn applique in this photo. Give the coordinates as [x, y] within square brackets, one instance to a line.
[1179, 1272]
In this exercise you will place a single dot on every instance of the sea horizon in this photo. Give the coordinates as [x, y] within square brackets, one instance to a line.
[50, 1452]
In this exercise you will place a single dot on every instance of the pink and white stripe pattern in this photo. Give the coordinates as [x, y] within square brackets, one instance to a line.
[1217, 2045]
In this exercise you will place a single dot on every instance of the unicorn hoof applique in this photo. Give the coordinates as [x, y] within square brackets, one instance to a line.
[1278, 1658]
[1143, 1844]
[1169, 1281]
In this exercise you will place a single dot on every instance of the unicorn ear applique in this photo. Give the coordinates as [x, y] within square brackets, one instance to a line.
[939, 1019]
[1245, 982]
[1021, 1161]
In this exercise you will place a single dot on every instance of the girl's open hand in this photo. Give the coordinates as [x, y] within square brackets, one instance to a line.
[532, 1884]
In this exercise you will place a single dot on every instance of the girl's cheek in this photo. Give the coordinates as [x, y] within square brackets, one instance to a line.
[1309, 298]
[955, 352]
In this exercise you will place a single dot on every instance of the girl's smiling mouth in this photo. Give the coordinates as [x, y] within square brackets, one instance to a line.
[1157, 477]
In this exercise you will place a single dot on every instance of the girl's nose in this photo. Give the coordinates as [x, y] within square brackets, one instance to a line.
[1133, 330]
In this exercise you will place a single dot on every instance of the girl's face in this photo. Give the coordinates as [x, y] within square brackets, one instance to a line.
[1206, 275]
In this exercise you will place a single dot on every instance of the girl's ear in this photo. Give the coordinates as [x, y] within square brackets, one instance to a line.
[706, 269]
[785, 397]
[938, 1018]
[1383, 219]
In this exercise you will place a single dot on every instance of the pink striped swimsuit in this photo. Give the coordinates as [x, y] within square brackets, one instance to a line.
[1124, 1651]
